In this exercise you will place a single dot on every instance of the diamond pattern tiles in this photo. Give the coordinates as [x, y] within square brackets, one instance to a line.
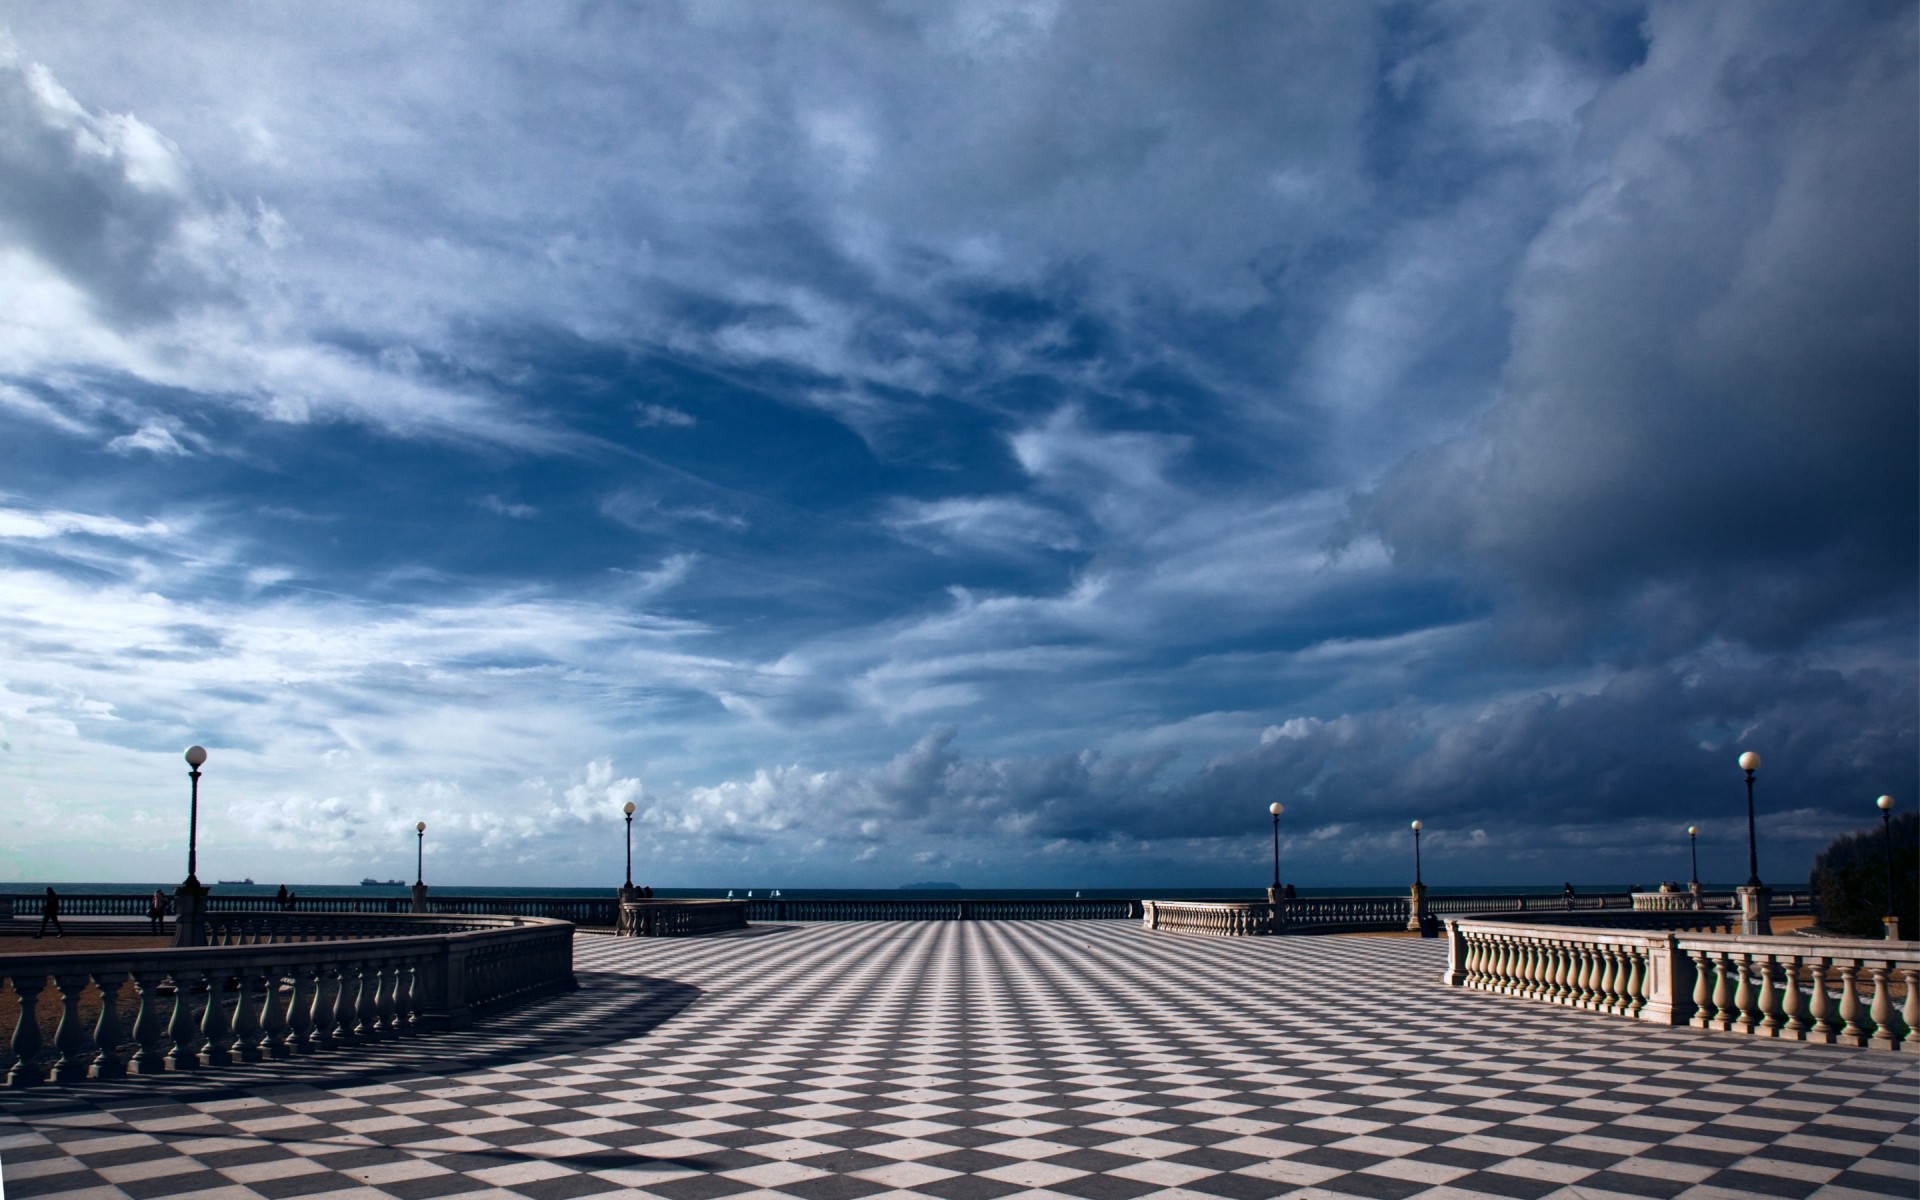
[971, 1061]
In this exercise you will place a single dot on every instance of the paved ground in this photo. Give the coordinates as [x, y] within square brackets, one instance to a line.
[964, 1060]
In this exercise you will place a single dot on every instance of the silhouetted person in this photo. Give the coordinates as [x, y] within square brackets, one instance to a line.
[1286, 893]
[157, 911]
[280, 898]
[1566, 890]
[50, 911]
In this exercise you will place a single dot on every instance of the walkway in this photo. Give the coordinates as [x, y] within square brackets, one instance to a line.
[964, 1060]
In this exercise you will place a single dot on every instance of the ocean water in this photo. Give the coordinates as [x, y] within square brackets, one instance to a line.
[742, 891]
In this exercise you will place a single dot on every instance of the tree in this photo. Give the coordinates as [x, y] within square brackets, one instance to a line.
[1849, 881]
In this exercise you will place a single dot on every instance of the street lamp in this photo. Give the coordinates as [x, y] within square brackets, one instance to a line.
[420, 854]
[195, 756]
[1276, 808]
[1750, 762]
[628, 809]
[1885, 805]
[1416, 852]
[1693, 857]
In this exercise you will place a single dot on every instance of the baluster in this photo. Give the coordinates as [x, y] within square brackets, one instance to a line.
[1821, 1027]
[1767, 1023]
[247, 1029]
[1610, 981]
[1851, 1034]
[1703, 986]
[217, 1049]
[1746, 1014]
[389, 980]
[1636, 998]
[27, 1067]
[1561, 963]
[312, 1015]
[274, 1010]
[1886, 1034]
[181, 1030]
[346, 1004]
[1725, 1015]
[106, 1030]
[1593, 967]
[149, 1058]
[404, 1001]
[1910, 1011]
[70, 1036]
[1793, 1002]
[367, 1012]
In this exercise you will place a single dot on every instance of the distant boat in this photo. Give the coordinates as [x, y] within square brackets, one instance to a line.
[370, 881]
[236, 882]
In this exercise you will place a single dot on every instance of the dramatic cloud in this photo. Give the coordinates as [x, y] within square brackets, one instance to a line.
[1008, 442]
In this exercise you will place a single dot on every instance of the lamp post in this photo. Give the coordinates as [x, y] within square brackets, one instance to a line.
[190, 898]
[196, 755]
[1693, 863]
[1750, 762]
[419, 867]
[1417, 894]
[1756, 899]
[1892, 920]
[1276, 808]
[628, 809]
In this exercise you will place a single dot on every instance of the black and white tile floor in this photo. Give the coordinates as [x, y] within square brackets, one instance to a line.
[963, 1060]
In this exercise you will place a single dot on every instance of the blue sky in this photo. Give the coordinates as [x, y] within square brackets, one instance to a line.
[1001, 443]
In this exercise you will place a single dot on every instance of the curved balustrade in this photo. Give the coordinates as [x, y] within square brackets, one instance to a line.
[274, 999]
[1228, 919]
[1012, 908]
[1828, 990]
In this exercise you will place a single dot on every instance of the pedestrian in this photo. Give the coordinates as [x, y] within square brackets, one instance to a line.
[1566, 890]
[283, 898]
[1287, 892]
[50, 911]
[157, 911]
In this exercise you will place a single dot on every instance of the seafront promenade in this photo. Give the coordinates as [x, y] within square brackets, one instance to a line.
[963, 1059]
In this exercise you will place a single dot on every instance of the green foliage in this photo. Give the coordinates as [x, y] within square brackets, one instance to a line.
[1849, 881]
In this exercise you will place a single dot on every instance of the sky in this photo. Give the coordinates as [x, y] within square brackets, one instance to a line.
[1001, 443]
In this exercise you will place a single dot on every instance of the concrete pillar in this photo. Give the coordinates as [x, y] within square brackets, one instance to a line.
[1695, 889]
[1417, 908]
[1756, 911]
[419, 891]
[190, 914]
[1891, 926]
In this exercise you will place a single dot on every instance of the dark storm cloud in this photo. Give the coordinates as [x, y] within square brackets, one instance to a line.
[1707, 424]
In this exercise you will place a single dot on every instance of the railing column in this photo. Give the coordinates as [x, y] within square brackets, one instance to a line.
[106, 1030]
[247, 1027]
[1793, 1002]
[1851, 1034]
[149, 1059]
[1910, 1011]
[1746, 1014]
[274, 1011]
[180, 1028]
[217, 1051]
[27, 1069]
[70, 1036]
[1821, 1028]
[1886, 1034]
[345, 1005]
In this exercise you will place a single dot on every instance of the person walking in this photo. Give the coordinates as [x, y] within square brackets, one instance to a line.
[157, 912]
[50, 911]
[283, 898]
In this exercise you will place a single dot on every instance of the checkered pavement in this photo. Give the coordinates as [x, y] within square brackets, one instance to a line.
[1015, 1059]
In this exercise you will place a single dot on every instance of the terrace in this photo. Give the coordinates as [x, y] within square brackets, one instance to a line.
[962, 1059]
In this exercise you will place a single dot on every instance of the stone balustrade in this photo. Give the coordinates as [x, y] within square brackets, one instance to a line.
[680, 918]
[1835, 991]
[264, 997]
[904, 908]
[1211, 919]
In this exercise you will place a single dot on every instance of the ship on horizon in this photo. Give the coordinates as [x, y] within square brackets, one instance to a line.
[370, 881]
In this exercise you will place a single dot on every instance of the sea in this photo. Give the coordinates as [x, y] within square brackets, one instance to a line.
[317, 890]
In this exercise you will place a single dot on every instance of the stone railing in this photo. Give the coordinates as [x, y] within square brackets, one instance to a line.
[680, 918]
[581, 910]
[1009, 908]
[1221, 919]
[1834, 991]
[275, 999]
